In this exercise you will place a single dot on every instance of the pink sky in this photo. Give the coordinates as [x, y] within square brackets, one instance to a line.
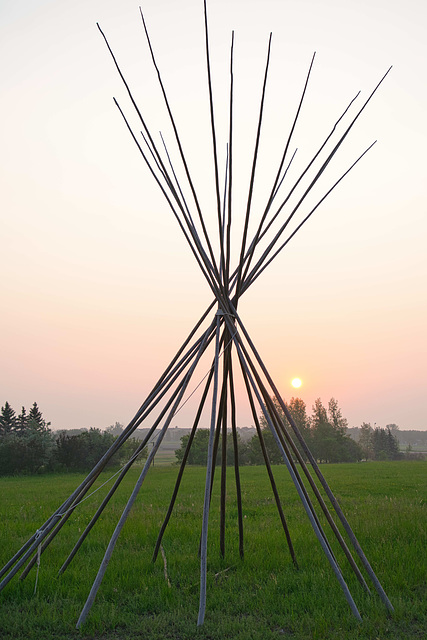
[99, 288]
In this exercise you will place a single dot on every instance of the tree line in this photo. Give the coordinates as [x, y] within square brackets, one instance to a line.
[325, 433]
[378, 444]
[28, 445]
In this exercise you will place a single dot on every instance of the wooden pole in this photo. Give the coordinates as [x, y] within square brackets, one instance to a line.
[236, 459]
[252, 180]
[206, 505]
[214, 147]
[268, 467]
[183, 464]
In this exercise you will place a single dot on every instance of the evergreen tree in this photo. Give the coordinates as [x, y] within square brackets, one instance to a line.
[21, 422]
[393, 448]
[27, 445]
[7, 420]
[35, 420]
[385, 445]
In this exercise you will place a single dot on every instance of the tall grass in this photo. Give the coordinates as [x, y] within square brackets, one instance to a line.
[263, 596]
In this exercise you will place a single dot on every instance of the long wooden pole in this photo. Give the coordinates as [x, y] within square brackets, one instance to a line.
[214, 147]
[252, 179]
[236, 458]
[183, 464]
[206, 505]
[268, 467]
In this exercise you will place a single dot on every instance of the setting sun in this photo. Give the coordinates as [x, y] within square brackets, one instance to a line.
[296, 383]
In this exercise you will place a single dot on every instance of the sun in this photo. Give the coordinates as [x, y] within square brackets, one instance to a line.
[296, 383]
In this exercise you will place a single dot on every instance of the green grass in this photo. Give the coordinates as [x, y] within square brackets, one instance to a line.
[165, 455]
[262, 597]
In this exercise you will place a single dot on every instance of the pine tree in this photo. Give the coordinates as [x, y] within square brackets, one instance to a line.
[35, 420]
[393, 448]
[21, 422]
[7, 420]
[385, 445]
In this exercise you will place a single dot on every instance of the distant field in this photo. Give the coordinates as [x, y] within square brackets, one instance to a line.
[262, 597]
[166, 453]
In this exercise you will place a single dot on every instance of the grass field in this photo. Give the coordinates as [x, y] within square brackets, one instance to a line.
[166, 454]
[262, 597]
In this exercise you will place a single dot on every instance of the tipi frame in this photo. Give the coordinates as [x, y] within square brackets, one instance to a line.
[231, 343]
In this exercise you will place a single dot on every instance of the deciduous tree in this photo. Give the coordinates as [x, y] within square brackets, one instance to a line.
[115, 429]
[365, 440]
[199, 449]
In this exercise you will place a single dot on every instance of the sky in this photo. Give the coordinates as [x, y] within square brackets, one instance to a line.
[98, 286]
